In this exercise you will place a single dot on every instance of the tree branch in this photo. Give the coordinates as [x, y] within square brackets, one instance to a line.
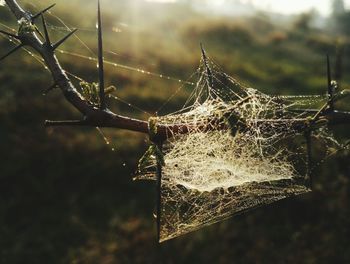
[96, 116]
[102, 117]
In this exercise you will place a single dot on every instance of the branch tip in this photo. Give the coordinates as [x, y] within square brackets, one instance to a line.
[33, 17]
[100, 59]
[50, 89]
[10, 34]
[47, 37]
[330, 85]
[60, 42]
[209, 73]
[50, 123]
[11, 52]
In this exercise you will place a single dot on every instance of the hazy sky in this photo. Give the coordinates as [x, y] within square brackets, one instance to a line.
[283, 6]
[295, 6]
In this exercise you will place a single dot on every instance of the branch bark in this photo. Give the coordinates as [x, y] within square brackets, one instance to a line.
[100, 117]
[93, 115]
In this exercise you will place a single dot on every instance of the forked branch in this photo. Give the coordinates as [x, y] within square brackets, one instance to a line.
[101, 116]
[93, 116]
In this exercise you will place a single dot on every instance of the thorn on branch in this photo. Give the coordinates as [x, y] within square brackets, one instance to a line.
[60, 42]
[46, 33]
[330, 86]
[10, 34]
[209, 73]
[33, 17]
[49, 123]
[50, 89]
[47, 36]
[100, 59]
[11, 52]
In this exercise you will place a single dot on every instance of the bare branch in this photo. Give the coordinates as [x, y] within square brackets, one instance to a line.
[96, 117]
[102, 117]
[100, 59]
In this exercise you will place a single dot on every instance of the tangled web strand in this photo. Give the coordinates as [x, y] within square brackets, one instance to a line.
[243, 149]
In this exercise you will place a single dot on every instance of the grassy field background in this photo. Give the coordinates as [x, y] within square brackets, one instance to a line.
[66, 197]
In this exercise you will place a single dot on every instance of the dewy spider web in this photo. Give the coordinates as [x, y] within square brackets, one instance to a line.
[243, 149]
[235, 156]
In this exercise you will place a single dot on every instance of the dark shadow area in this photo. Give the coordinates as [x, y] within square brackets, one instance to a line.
[66, 197]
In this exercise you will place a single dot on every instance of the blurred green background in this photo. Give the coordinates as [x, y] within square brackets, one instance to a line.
[66, 197]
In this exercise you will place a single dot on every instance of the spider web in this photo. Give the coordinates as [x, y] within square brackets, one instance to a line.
[243, 149]
[251, 152]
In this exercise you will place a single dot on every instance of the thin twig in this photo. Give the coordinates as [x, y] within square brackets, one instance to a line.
[102, 117]
[100, 59]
